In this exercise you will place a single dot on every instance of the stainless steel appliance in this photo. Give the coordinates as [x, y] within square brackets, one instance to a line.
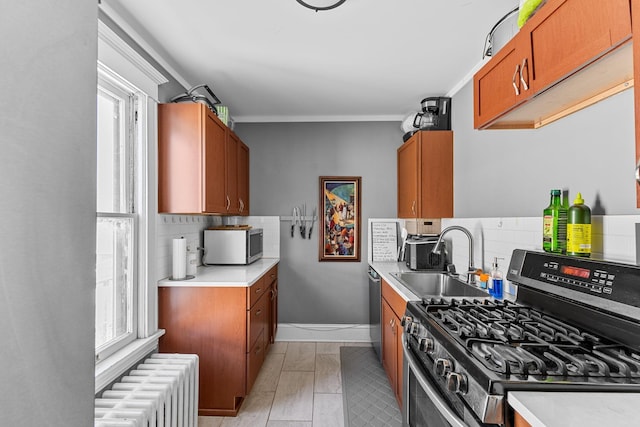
[232, 246]
[420, 255]
[575, 326]
[375, 309]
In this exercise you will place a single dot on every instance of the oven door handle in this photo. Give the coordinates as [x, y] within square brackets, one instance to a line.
[440, 404]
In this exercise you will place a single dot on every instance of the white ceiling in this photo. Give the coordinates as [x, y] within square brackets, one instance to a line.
[274, 60]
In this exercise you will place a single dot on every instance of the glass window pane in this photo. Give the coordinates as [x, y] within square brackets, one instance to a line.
[113, 165]
[114, 278]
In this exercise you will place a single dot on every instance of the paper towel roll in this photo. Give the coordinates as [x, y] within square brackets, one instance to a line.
[179, 259]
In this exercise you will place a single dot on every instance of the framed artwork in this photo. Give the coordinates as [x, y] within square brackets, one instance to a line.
[340, 218]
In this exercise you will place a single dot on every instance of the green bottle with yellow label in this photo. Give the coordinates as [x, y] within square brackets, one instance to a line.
[554, 225]
[579, 228]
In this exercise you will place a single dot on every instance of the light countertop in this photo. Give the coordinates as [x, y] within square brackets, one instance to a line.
[569, 409]
[225, 275]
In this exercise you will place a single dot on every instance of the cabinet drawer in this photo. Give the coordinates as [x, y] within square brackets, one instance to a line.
[255, 358]
[271, 275]
[257, 319]
[255, 291]
[395, 301]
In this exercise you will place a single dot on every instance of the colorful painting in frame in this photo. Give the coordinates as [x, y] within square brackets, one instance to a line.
[340, 218]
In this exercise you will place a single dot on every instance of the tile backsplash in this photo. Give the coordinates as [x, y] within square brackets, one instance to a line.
[169, 227]
[191, 227]
[613, 239]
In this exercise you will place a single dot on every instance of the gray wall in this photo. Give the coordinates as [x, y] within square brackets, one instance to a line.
[510, 172]
[47, 212]
[286, 161]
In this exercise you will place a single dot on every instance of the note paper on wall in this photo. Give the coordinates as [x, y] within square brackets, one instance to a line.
[384, 241]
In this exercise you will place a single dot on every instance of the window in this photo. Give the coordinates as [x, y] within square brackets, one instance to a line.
[117, 220]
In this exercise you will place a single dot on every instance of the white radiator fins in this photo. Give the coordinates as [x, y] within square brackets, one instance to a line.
[160, 392]
[107, 422]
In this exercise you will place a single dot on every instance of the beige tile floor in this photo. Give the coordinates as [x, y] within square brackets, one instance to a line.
[299, 385]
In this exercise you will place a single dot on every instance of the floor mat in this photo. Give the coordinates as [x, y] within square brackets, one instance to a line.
[368, 398]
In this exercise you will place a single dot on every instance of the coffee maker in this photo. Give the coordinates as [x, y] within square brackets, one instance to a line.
[436, 113]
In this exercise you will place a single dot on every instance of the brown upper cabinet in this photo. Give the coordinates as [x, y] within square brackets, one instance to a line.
[425, 175]
[569, 55]
[203, 167]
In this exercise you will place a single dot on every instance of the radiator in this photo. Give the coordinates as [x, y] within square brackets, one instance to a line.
[162, 391]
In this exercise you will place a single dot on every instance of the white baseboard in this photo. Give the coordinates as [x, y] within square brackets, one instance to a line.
[323, 332]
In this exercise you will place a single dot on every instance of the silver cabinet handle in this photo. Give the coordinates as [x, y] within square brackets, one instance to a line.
[524, 83]
[638, 173]
[513, 80]
[413, 207]
[241, 206]
[228, 202]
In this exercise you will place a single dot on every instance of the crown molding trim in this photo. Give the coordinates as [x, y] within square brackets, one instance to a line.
[131, 32]
[107, 35]
[313, 119]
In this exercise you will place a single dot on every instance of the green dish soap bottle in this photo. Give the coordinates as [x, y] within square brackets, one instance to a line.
[554, 228]
[579, 228]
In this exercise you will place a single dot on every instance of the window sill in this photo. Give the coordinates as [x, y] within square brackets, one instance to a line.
[118, 363]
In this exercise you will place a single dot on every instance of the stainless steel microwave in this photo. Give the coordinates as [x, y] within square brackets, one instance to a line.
[232, 246]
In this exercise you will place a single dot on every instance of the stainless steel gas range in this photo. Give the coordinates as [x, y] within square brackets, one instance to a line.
[575, 326]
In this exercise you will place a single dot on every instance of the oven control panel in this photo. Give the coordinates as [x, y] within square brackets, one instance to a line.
[597, 280]
[608, 280]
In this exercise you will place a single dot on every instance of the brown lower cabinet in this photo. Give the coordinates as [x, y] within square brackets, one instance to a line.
[519, 421]
[393, 307]
[229, 328]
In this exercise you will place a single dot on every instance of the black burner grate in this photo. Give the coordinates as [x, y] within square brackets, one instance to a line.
[516, 340]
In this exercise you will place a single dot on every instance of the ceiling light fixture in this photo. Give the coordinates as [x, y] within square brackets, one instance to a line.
[325, 4]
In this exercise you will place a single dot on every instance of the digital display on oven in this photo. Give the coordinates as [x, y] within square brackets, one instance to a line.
[575, 271]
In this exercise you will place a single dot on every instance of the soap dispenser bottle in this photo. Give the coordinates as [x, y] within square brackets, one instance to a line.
[495, 280]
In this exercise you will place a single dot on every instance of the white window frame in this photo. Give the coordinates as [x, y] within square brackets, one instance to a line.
[117, 58]
[111, 82]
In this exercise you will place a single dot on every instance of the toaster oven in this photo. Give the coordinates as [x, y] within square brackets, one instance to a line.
[419, 255]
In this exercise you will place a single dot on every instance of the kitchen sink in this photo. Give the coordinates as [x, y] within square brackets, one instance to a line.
[431, 284]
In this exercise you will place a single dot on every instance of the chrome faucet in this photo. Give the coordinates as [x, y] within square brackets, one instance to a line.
[471, 270]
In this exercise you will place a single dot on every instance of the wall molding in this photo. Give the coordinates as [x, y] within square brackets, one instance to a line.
[107, 35]
[144, 44]
[313, 119]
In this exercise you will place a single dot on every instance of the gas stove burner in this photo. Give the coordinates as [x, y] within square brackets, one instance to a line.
[511, 339]
[434, 302]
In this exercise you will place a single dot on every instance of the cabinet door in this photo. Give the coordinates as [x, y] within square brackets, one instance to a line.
[573, 34]
[436, 175]
[214, 171]
[180, 158]
[243, 178]
[408, 177]
[389, 344]
[498, 86]
[231, 179]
